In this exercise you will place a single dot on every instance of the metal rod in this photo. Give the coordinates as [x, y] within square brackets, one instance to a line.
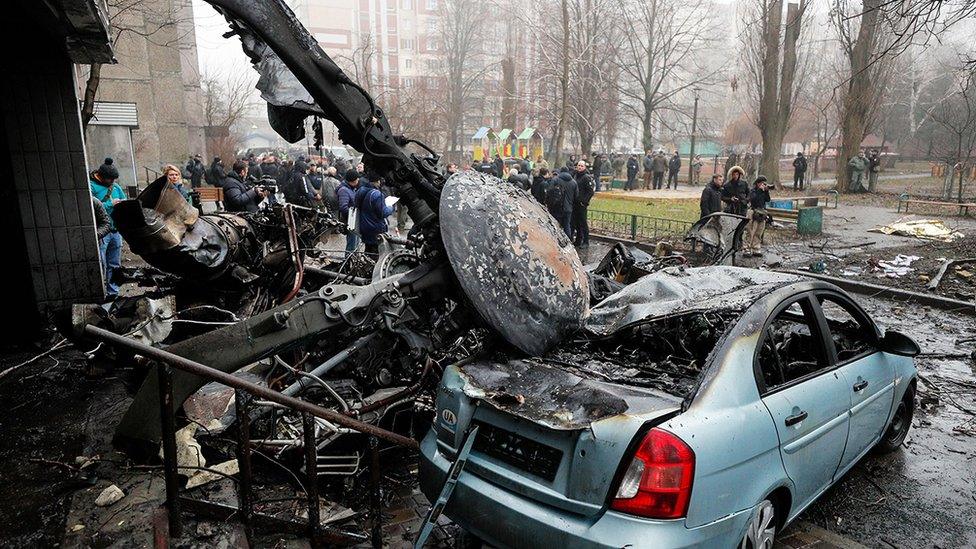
[334, 361]
[168, 427]
[230, 380]
[243, 405]
[375, 496]
[311, 471]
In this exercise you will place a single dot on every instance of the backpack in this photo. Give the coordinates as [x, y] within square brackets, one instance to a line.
[554, 196]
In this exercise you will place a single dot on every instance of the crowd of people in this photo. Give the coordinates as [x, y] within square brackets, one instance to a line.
[360, 200]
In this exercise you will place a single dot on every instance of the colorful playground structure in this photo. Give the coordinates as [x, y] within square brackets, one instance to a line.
[486, 143]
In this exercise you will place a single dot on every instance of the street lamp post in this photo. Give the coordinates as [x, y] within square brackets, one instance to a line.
[694, 129]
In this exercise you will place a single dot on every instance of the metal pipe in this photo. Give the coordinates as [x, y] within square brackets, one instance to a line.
[340, 277]
[168, 428]
[296, 253]
[324, 368]
[207, 372]
[375, 496]
[243, 407]
[311, 470]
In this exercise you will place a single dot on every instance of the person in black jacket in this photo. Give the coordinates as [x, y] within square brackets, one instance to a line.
[799, 170]
[633, 167]
[674, 166]
[498, 165]
[735, 193]
[238, 195]
[196, 168]
[711, 197]
[584, 184]
[296, 187]
[539, 185]
[560, 197]
[215, 175]
[758, 216]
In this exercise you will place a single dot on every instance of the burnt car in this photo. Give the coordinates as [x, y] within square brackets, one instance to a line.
[698, 407]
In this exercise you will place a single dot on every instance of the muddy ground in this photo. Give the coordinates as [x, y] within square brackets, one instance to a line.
[921, 496]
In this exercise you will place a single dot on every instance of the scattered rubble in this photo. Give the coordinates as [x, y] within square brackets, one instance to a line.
[109, 496]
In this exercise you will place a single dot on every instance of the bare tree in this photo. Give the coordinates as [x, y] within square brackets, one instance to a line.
[869, 51]
[591, 48]
[956, 117]
[226, 98]
[156, 22]
[359, 61]
[772, 60]
[462, 36]
[659, 59]
[818, 100]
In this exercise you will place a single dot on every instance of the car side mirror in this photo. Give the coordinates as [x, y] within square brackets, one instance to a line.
[898, 343]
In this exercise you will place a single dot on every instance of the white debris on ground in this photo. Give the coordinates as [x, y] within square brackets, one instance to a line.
[110, 495]
[897, 267]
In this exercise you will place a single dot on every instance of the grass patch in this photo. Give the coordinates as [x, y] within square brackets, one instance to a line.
[684, 209]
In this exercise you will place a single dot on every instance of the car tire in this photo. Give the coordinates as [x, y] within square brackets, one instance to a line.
[901, 422]
[761, 531]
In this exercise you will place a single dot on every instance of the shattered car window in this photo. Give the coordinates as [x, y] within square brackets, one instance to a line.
[852, 336]
[791, 349]
[666, 354]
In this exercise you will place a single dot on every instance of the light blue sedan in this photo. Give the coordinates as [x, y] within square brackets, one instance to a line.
[701, 407]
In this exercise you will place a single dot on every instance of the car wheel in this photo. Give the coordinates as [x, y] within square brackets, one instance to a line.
[762, 527]
[901, 422]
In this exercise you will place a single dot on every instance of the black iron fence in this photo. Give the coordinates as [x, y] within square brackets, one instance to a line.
[635, 227]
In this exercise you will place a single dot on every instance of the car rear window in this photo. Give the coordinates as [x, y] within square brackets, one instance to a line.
[666, 354]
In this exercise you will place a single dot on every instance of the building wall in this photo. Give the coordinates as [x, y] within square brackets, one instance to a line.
[51, 251]
[159, 71]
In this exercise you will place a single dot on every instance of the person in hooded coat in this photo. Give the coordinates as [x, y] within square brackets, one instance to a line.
[104, 188]
[735, 193]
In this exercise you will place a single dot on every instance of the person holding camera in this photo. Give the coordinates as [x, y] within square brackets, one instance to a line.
[238, 195]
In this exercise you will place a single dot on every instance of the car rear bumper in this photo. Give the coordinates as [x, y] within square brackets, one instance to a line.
[506, 519]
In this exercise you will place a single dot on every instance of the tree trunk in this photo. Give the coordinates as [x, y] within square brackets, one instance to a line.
[563, 88]
[91, 88]
[508, 93]
[860, 93]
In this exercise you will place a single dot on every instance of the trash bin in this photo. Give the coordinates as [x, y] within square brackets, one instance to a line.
[809, 220]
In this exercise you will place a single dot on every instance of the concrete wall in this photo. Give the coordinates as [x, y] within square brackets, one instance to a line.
[51, 254]
[160, 73]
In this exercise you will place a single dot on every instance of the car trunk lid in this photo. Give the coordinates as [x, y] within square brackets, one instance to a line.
[544, 432]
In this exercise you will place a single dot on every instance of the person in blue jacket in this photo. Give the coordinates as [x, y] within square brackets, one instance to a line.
[373, 212]
[104, 188]
[346, 193]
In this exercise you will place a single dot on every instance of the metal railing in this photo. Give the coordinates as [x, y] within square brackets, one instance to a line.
[635, 227]
[245, 393]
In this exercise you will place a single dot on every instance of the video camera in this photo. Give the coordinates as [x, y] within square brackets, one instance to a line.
[266, 183]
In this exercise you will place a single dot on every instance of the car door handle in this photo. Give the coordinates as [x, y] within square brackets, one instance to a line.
[860, 385]
[796, 418]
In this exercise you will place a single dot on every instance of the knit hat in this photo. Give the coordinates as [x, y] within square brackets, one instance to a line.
[107, 170]
[352, 174]
[760, 179]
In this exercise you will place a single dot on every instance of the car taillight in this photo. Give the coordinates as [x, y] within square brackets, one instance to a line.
[657, 484]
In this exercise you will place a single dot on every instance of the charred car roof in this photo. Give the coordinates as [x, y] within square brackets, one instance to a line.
[678, 290]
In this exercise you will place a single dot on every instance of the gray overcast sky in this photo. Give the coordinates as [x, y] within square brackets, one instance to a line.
[217, 54]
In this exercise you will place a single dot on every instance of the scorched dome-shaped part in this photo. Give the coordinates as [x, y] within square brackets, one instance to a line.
[514, 263]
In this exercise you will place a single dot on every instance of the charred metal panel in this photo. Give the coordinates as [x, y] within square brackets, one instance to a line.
[555, 397]
[516, 266]
[681, 290]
